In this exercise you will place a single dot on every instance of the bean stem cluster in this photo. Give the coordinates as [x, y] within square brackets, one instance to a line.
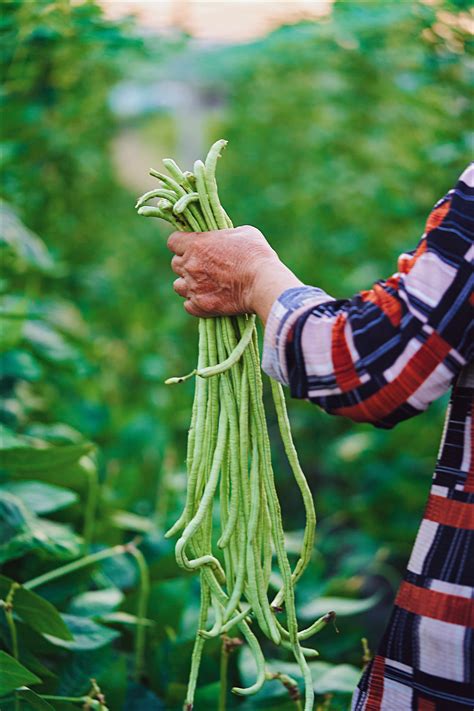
[229, 458]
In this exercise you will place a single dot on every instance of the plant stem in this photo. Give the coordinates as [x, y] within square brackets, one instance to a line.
[13, 633]
[8, 609]
[75, 565]
[73, 699]
[90, 471]
[14, 636]
[223, 676]
[143, 595]
[48, 697]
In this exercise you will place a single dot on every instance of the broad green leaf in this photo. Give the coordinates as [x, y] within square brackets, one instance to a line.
[34, 701]
[41, 498]
[78, 668]
[206, 695]
[9, 439]
[132, 522]
[49, 343]
[248, 672]
[38, 459]
[56, 432]
[168, 600]
[140, 698]
[86, 634]
[34, 610]
[20, 364]
[34, 665]
[21, 531]
[29, 250]
[13, 674]
[342, 678]
[124, 618]
[342, 606]
[326, 677]
[65, 316]
[120, 572]
[96, 602]
[12, 321]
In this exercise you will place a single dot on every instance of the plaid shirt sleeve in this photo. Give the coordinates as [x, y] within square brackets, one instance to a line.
[385, 354]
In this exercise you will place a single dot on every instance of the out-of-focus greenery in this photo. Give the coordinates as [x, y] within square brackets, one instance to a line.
[342, 134]
[366, 121]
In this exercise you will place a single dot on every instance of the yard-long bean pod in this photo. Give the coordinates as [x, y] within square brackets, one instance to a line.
[229, 458]
[225, 364]
[158, 193]
[183, 202]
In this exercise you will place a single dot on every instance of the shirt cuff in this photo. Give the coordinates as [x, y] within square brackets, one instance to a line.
[286, 310]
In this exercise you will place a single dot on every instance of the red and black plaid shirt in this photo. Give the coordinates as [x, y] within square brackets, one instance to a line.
[382, 357]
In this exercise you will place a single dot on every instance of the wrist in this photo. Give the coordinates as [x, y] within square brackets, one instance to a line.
[272, 278]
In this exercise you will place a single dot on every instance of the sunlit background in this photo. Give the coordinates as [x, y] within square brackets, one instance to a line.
[346, 121]
[223, 21]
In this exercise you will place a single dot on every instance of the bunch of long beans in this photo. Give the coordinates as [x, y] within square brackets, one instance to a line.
[229, 453]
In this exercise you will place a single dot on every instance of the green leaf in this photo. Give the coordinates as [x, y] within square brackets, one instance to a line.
[77, 669]
[128, 521]
[34, 701]
[49, 343]
[34, 665]
[21, 531]
[342, 606]
[96, 602]
[342, 678]
[29, 250]
[36, 459]
[124, 618]
[14, 674]
[167, 603]
[9, 439]
[34, 610]
[86, 634]
[20, 364]
[206, 695]
[141, 699]
[56, 433]
[40, 497]
[120, 572]
[12, 321]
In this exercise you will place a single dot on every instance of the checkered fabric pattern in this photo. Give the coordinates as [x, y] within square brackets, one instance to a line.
[382, 357]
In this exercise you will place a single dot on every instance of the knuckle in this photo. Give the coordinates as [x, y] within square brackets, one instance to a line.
[250, 229]
[181, 287]
[171, 241]
[191, 308]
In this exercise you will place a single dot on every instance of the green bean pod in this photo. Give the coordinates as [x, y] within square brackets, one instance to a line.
[211, 184]
[229, 453]
[158, 193]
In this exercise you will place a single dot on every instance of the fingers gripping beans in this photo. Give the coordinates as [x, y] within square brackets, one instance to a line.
[229, 459]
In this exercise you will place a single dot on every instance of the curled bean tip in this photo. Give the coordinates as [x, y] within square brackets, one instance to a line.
[179, 378]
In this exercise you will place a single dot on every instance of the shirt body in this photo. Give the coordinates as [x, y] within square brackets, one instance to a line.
[382, 357]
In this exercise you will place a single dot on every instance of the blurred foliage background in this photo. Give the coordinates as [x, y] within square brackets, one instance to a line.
[342, 134]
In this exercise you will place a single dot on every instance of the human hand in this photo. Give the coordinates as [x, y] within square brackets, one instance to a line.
[228, 272]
